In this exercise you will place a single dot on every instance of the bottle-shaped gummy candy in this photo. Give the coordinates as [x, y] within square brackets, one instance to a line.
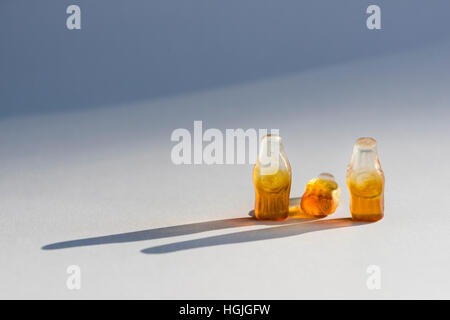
[272, 180]
[365, 180]
[321, 197]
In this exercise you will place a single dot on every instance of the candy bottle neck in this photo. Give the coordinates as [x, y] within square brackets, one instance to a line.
[271, 156]
[365, 155]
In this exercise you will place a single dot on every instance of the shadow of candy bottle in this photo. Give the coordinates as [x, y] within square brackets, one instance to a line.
[272, 179]
[365, 180]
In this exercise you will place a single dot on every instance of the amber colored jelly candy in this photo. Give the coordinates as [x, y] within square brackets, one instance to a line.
[365, 181]
[321, 197]
[272, 180]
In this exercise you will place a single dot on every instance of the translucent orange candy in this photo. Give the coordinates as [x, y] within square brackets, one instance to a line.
[365, 180]
[272, 180]
[321, 197]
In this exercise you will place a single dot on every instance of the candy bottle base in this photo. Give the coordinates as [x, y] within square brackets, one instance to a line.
[272, 207]
[367, 209]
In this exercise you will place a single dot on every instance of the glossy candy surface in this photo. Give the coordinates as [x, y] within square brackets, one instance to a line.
[321, 197]
[365, 180]
[272, 180]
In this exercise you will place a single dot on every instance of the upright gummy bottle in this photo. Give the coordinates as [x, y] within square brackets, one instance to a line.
[272, 179]
[365, 180]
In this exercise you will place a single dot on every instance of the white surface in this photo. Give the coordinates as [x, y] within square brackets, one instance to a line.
[106, 171]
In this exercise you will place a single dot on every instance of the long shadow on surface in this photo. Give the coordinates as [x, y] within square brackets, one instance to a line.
[167, 232]
[255, 235]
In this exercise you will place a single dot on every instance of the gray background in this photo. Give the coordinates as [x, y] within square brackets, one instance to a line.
[85, 125]
[139, 49]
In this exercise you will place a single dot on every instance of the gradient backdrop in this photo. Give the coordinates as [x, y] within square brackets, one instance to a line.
[85, 122]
